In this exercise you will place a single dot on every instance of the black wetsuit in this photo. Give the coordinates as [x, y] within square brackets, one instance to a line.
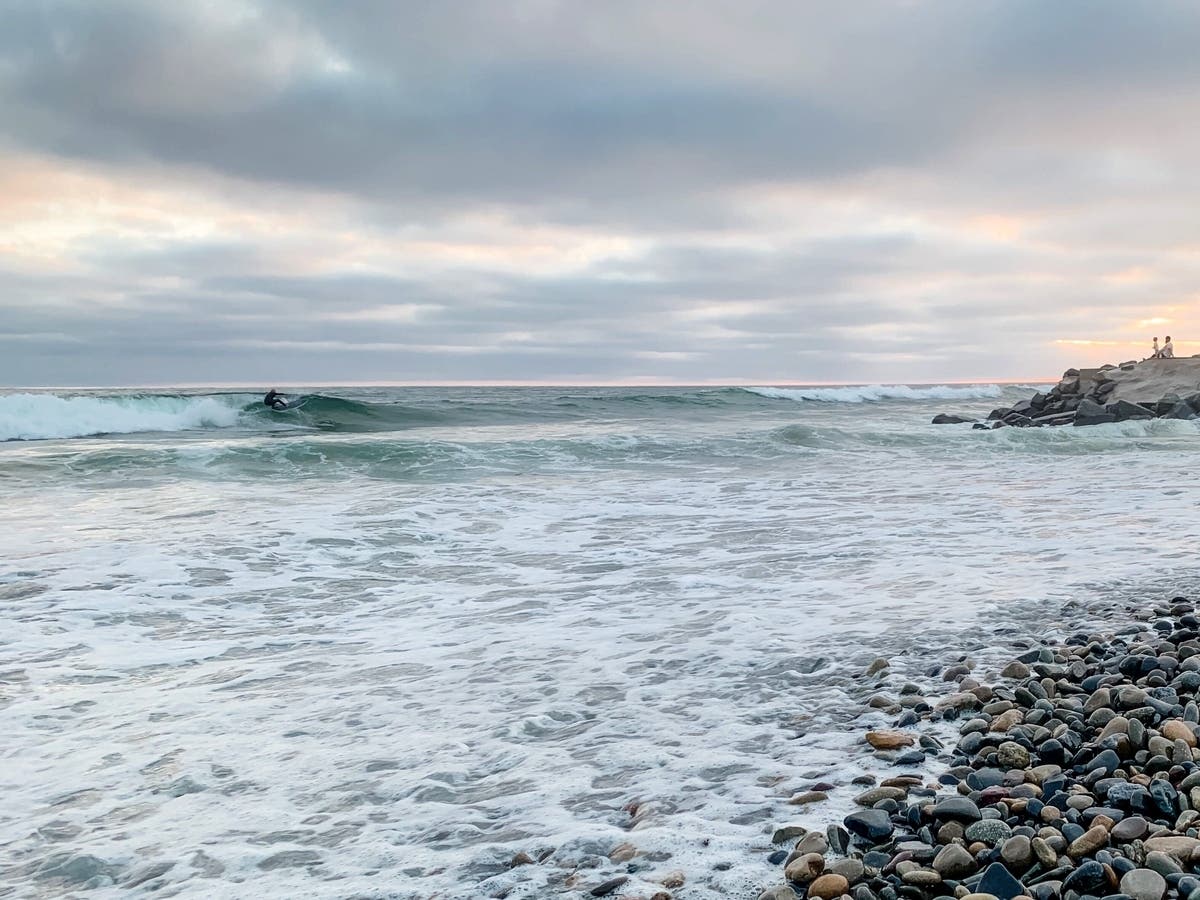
[275, 400]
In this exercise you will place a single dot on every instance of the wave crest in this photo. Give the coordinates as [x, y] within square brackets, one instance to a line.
[873, 393]
[28, 417]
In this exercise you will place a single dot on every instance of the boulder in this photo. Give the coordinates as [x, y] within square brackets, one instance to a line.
[1181, 410]
[1124, 411]
[1092, 413]
[1055, 418]
[946, 419]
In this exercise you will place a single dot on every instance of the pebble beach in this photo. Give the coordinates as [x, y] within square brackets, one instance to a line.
[1074, 774]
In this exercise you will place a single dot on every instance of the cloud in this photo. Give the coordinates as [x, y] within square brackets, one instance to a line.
[545, 189]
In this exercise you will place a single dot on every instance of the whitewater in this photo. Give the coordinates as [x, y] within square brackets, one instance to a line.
[396, 640]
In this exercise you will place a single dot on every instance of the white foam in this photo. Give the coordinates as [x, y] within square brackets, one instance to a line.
[415, 678]
[877, 392]
[29, 416]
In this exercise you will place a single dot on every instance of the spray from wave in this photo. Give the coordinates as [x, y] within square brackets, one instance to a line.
[874, 393]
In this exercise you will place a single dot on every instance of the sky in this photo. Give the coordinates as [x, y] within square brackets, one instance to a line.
[640, 191]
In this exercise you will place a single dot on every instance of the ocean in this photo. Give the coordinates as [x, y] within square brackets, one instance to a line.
[385, 643]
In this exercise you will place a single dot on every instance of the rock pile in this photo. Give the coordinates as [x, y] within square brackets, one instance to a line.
[1074, 778]
[1076, 401]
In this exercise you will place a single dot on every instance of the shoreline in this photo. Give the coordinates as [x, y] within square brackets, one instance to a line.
[1075, 738]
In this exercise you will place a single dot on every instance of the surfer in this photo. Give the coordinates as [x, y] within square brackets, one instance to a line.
[275, 400]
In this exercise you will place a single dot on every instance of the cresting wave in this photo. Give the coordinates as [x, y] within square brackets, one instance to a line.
[28, 417]
[42, 416]
[876, 392]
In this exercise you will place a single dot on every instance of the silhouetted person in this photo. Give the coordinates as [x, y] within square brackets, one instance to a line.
[275, 400]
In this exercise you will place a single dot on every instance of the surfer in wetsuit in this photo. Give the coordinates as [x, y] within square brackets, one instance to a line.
[275, 400]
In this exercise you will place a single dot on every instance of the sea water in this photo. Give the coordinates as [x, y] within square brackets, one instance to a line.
[381, 644]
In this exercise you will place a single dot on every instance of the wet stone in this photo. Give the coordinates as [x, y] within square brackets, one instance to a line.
[872, 825]
[850, 869]
[813, 842]
[873, 796]
[289, 859]
[607, 887]
[829, 887]
[959, 809]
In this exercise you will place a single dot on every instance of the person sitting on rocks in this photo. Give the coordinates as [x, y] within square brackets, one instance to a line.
[1168, 350]
[1155, 353]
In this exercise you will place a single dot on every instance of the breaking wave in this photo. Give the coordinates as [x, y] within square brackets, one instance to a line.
[876, 392]
[45, 415]
[28, 417]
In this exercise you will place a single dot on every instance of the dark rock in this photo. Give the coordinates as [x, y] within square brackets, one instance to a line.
[1180, 410]
[607, 887]
[1165, 797]
[1130, 829]
[1125, 411]
[872, 825]
[1092, 413]
[1088, 878]
[999, 882]
[960, 809]
[944, 419]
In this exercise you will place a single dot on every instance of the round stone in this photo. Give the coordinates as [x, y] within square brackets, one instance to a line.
[1017, 853]
[988, 831]
[805, 868]
[1144, 884]
[1012, 755]
[954, 861]
[829, 886]
[1130, 829]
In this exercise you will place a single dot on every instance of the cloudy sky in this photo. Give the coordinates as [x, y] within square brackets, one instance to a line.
[626, 190]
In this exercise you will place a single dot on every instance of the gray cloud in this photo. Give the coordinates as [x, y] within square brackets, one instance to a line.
[797, 190]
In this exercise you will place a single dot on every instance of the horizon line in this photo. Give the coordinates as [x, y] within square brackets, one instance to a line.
[712, 383]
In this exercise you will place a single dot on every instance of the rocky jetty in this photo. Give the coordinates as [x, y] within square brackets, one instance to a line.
[1153, 389]
[1074, 776]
